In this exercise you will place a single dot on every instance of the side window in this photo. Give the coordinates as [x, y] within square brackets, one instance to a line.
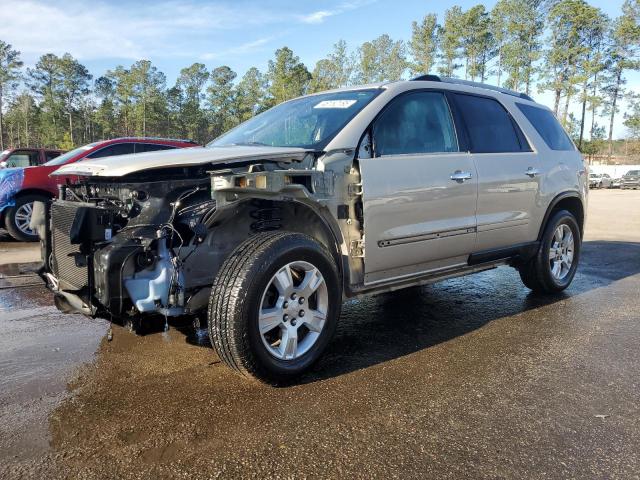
[51, 155]
[417, 122]
[547, 127]
[489, 125]
[111, 150]
[22, 158]
[151, 147]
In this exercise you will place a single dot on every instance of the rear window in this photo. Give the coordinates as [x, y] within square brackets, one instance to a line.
[489, 126]
[151, 147]
[51, 155]
[113, 150]
[547, 127]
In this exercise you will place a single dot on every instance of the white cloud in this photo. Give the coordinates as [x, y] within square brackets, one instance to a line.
[317, 17]
[240, 49]
[169, 28]
[321, 15]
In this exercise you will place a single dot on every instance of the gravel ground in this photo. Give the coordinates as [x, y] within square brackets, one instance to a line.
[474, 377]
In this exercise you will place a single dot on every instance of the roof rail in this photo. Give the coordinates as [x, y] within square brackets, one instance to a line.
[428, 78]
[458, 81]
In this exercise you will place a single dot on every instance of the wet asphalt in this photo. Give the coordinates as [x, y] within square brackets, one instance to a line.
[469, 378]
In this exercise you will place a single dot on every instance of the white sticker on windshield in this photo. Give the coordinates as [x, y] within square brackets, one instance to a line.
[335, 104]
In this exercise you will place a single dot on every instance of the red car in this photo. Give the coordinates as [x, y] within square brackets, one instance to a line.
[20, 187]
[27, 157]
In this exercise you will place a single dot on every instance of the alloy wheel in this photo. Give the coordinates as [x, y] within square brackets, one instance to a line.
[23, 218]
[561, 252]
[293, 310]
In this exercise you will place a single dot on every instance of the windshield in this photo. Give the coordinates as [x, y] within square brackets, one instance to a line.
[69, 155]
[307, 122]
[633, 172]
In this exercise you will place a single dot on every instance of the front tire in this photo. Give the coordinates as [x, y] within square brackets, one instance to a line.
[274, 306]
[18, 218]
[554, 265]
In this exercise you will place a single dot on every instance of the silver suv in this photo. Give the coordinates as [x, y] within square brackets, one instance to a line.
[357, 191]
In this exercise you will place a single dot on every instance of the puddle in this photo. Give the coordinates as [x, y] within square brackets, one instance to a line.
[40, 350]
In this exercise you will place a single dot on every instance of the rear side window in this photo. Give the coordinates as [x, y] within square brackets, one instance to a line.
[415, 123]
[489, 126]
[51, 155]
[111, 150]
[151, 147]
[547, 127]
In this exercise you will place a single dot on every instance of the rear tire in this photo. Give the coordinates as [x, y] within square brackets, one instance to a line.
[553, 267]
[18, 217]
[266, 320]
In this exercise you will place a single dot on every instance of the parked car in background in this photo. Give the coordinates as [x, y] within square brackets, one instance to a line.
[27, 157]
[631, 179]
[599, 180]
[616, 182]
[334, 195]
[26, 183]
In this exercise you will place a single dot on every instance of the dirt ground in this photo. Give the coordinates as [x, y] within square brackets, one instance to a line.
[469, 378]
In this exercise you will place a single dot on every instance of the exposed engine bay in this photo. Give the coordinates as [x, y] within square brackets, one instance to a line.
[152, 242]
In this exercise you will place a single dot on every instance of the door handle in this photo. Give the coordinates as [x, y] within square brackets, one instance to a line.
[532, 172]
[460, 176]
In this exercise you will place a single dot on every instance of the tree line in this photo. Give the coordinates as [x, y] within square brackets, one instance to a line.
[566, 47]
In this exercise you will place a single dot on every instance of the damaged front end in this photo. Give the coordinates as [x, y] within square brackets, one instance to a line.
[116, 249]
[152, 242]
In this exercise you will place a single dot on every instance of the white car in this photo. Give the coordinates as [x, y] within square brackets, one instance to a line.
[600, 180]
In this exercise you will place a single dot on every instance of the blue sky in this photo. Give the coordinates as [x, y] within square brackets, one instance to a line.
[242, 33]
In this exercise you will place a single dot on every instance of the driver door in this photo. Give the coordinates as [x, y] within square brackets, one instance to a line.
[419, 191]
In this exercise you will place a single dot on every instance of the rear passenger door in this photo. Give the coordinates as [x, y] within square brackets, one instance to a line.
[508, 173]
[419, 190]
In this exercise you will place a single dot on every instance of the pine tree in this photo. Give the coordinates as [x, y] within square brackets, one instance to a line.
[287, 77]
[10, 65]
[424, 44]
[74, 84]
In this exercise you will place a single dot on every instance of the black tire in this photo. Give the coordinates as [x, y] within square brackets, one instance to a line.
[235, 300]
[10, 218]
[536, 273]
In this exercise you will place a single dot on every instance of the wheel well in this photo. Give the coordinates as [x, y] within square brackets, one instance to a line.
[572, 204]
[301, 218]
[34, 191]
[251, 216]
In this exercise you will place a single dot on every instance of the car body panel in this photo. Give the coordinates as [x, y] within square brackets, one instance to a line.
[11, 181]
[126, 164]
[507, 198]
[414, 214]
